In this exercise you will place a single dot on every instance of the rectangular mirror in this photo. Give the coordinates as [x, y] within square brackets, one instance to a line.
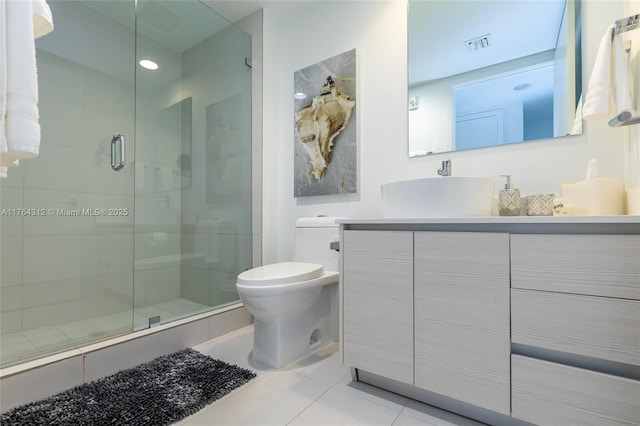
[487, 73]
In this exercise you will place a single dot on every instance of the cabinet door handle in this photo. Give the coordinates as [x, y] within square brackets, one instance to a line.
[117, 165]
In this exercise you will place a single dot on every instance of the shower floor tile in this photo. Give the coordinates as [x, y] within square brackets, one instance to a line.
[108, 323]
[167, 311]
[79, 330]
[47, 337]
[37, 342]
[15, 346]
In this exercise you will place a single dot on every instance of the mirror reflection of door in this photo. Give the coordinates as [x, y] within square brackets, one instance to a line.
[523, 99]
[528, 68]
[478, 130]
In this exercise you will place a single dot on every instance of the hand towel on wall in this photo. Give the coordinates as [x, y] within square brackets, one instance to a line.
[21, 21]
[609, 90]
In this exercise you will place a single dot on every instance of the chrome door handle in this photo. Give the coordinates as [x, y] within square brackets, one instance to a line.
[117, 165]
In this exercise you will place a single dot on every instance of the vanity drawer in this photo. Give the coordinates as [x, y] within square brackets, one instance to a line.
[599, 265]
[546, 393]
[598, 327]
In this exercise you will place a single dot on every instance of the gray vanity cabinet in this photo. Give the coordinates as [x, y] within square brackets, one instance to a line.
[377, 276]
[504, 321]
[575, 317]
[462, 342]
[430, 309]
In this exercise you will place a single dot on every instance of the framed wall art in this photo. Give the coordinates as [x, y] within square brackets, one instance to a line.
[325, 126]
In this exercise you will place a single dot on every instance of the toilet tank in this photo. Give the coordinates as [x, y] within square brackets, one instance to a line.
[312, 238]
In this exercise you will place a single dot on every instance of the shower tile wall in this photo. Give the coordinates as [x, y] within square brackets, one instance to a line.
[11, 253]
[10, 262]
[58, 270]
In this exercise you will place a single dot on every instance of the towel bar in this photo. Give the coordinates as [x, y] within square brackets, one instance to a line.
[625, 118]
[627, 24]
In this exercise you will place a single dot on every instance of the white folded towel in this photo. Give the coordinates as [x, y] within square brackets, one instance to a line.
[42, 19]
[20, 22]
[609, 91]
[576, 128]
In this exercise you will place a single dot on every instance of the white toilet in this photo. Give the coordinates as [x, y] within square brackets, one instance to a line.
[295, 303]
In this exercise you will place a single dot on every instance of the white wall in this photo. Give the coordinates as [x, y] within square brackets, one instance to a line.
[377, 29]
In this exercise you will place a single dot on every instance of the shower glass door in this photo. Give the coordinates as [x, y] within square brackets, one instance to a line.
[137, 210]
[66, 276]
[193, 161]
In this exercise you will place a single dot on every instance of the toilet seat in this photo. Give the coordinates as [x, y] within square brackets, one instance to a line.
[280, 273]
[285, 276]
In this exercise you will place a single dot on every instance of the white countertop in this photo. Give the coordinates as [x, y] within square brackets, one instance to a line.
[494, 220]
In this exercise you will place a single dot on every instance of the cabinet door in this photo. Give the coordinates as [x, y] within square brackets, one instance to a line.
[462, 345]
[377, 283]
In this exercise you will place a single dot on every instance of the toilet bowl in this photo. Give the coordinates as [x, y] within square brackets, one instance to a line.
[294, 304]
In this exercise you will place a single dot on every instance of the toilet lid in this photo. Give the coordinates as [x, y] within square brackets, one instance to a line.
[280, 273]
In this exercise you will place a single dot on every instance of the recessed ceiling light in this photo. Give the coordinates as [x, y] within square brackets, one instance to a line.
[148, 64]
[299, 95]
[521, 86]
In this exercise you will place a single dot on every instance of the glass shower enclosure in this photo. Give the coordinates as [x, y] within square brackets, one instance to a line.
[137, 210]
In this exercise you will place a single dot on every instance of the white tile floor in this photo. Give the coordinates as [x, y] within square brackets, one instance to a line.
[38, 342]
[316, 390]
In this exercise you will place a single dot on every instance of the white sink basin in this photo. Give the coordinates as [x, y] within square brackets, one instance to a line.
[440, 196]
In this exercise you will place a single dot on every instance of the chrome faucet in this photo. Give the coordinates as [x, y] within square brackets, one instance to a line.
[446, 168]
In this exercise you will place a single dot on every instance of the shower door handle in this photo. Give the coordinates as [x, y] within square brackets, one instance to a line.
[117, 165]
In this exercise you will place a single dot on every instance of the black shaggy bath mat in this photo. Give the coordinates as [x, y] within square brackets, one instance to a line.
[159, 392]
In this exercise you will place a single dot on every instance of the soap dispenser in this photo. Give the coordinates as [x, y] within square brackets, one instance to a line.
[509, 199]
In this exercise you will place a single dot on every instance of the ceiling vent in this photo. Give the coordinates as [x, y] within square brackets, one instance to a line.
[478, 43]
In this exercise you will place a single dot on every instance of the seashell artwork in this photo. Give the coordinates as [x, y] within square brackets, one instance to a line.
[318, 124]
[325, 132]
